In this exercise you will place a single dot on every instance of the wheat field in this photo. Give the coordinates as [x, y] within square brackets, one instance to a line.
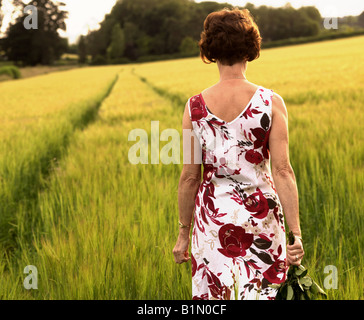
[98, 227]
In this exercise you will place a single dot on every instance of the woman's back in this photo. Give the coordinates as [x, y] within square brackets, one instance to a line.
[227, 99]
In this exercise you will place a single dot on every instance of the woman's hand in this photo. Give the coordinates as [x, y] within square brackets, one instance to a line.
[180, 250]
[295, 253]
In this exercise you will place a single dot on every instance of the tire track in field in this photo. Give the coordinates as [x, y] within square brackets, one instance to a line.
[34, 181]
[174, 98]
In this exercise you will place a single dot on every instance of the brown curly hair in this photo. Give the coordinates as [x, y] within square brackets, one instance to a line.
[230, 36]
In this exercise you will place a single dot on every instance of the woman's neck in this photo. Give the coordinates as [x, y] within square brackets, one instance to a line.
[236, 71]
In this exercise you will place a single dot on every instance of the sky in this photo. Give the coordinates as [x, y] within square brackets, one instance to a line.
[86, 15]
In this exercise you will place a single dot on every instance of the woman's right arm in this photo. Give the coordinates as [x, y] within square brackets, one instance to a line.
[187, 189]
[283, 175]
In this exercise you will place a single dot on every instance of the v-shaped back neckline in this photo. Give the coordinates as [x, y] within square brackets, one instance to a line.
[238, 116]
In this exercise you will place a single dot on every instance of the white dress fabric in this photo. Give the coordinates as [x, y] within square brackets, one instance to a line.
[238, 242]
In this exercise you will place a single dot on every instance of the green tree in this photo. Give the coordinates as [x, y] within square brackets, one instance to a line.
[37, 46]
[158, 27]
[189, 46]
[132, 33]
[361, 20]
[312, 13]
[143, 43]
[82, 50]
[117, 45]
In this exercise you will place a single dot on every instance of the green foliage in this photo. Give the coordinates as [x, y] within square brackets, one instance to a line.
[286, 22]
[11, 71]
[151, 27]
[117, 46]
[37, 46]
[189, 46]
[39, 117]
[82, 51]
[361, 20]
[99, 60]
[159, 27]
[328, 35]
[298, 285]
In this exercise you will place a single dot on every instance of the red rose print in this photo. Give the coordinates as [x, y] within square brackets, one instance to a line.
[249, 112]
[204, 296]
[277, 268]
[257, 204]
[234, 240]
[198, 111]
[253, 156]
[217, 289]
[259, 135]
[208, 170]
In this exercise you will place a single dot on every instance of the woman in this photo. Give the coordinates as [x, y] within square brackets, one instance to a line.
[238, 246]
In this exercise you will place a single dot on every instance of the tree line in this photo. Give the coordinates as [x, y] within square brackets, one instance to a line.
[42, 45]
[160, 27]
[137, 29]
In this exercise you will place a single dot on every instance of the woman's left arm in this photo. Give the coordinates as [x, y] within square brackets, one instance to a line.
[187, 189]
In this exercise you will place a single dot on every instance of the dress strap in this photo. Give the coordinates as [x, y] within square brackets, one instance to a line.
[266, 97]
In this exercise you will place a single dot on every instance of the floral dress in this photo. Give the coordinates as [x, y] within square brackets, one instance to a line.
[238, 246]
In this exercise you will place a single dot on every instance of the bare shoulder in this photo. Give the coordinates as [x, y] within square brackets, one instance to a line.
[186, 121]
[210, 89]
[278, 105]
